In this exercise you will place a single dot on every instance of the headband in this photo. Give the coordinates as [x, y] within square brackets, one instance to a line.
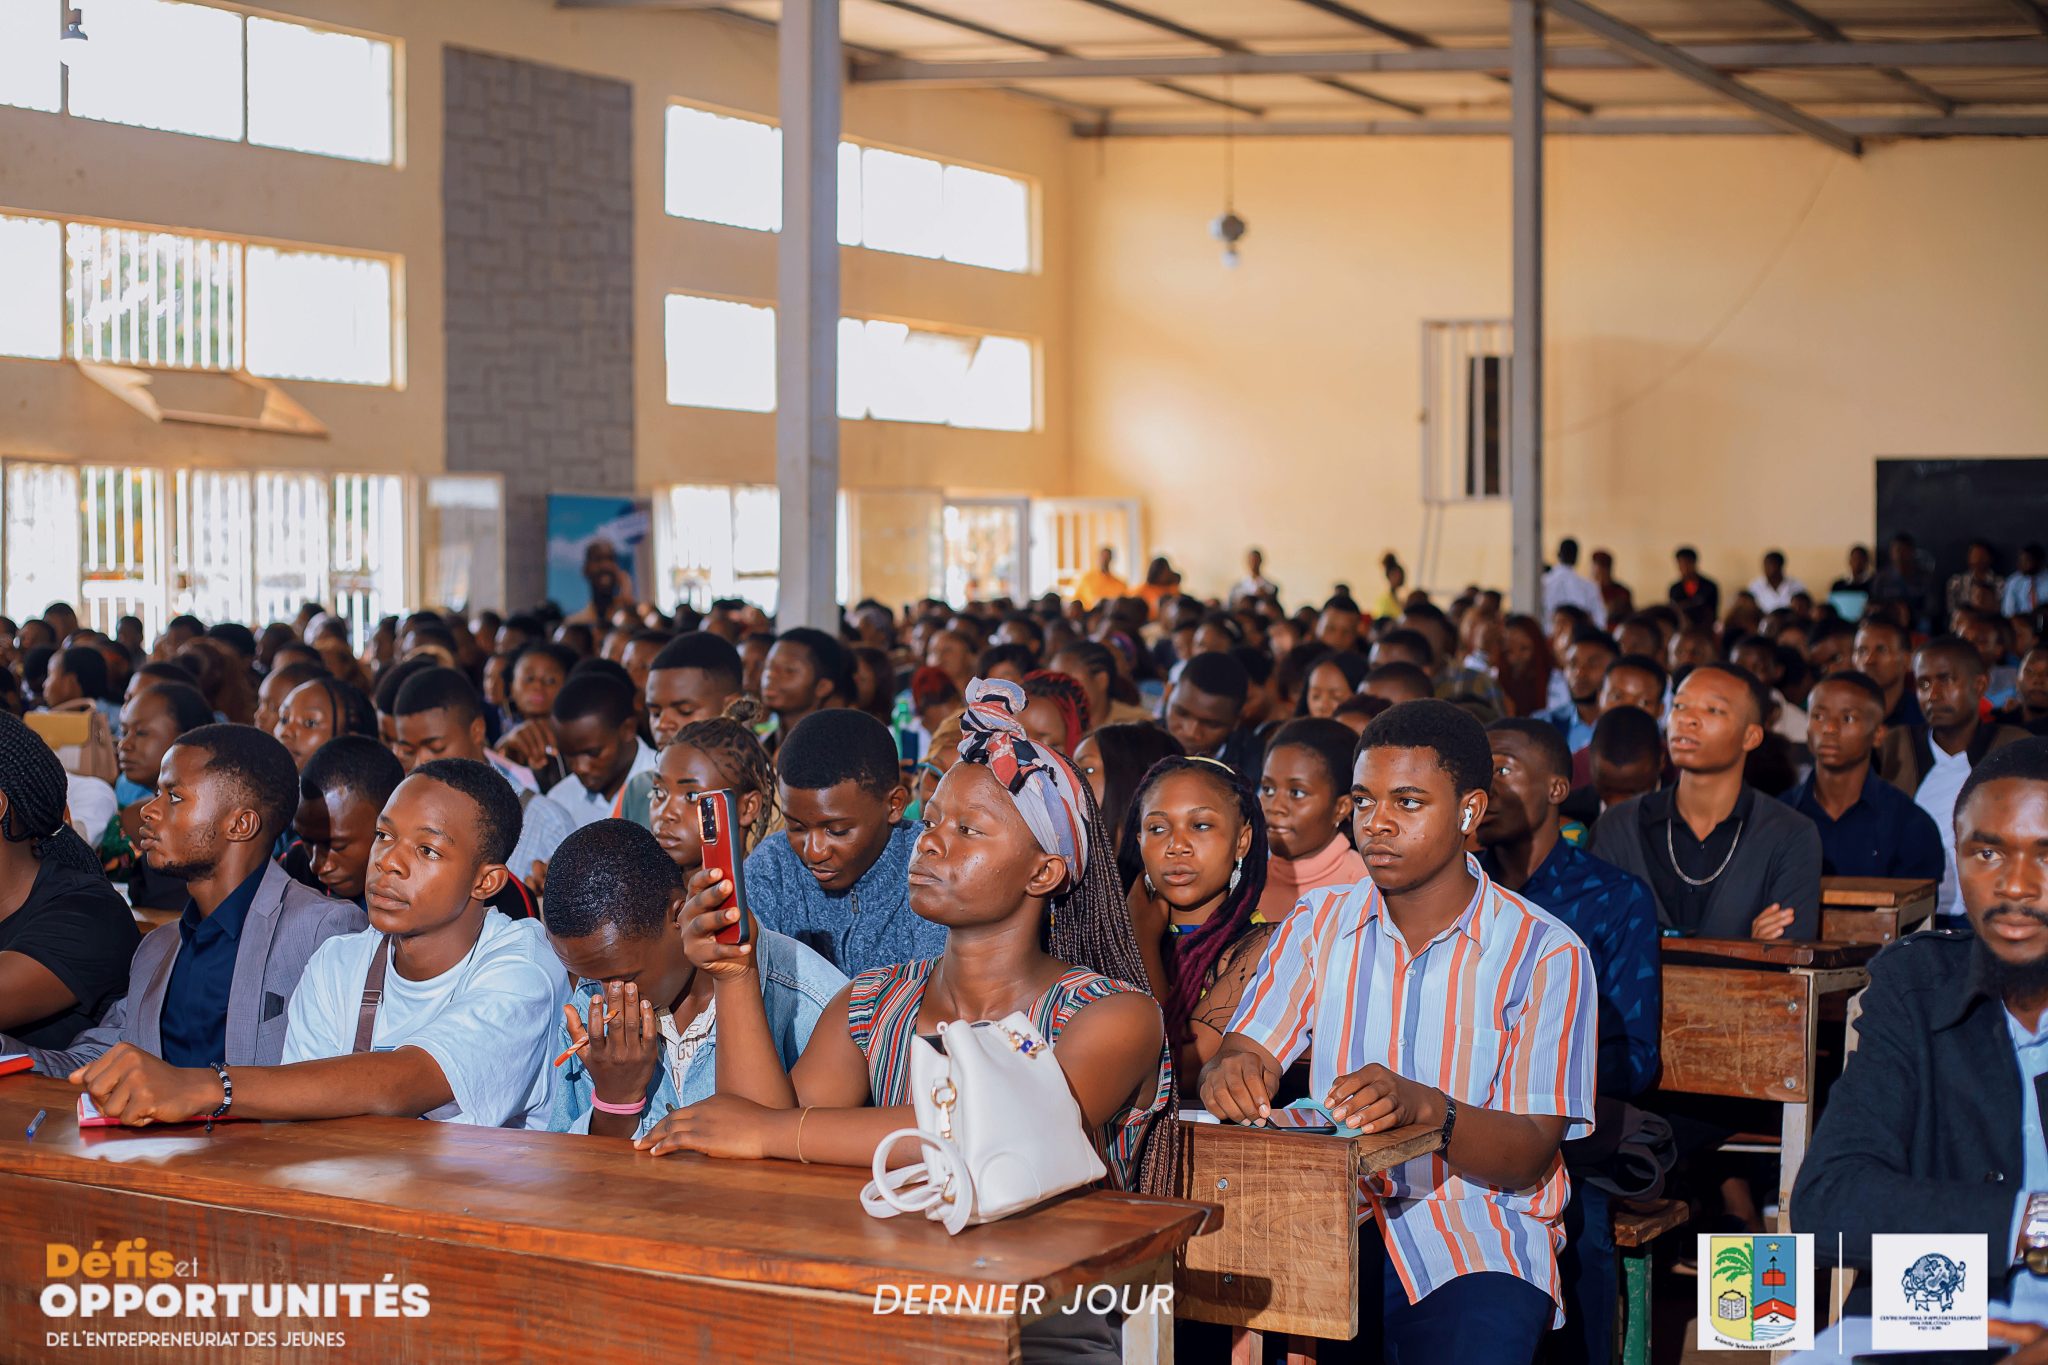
[1044, 786]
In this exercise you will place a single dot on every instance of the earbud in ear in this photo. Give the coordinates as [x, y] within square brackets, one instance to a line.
[1465, 821]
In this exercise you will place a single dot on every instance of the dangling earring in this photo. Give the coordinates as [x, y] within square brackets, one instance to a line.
[1150, 889]
[1237, 874]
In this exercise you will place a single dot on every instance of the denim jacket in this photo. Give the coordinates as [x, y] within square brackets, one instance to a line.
[796, 985]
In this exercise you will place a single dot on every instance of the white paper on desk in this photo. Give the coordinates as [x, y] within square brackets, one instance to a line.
[1199, 1116]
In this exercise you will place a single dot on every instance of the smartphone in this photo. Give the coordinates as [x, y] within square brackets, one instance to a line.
[1301, 1121]
[718, 826]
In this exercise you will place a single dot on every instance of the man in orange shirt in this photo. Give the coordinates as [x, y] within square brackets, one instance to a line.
[1099, 582]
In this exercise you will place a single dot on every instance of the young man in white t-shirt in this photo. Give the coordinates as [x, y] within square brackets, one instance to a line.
[469, 999]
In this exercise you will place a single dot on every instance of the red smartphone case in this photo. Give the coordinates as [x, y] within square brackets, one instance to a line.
[718, 829]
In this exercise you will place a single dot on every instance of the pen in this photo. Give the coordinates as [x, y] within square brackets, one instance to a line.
[36, 1123]
[574, 1048]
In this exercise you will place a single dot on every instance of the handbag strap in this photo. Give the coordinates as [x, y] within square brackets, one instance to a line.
[373, 995]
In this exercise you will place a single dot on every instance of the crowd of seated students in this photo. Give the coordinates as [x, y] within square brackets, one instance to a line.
[1420, 857]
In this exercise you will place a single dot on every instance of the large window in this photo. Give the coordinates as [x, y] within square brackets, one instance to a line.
[729, 170]
[151, 296]
[722, 355]
[243, 545]
[209, 72]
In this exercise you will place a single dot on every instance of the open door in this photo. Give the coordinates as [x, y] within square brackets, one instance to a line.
[1066, 534]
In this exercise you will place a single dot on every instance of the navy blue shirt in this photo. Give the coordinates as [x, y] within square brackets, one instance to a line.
[194, 1023]
[1883, 835]
[1615, 915]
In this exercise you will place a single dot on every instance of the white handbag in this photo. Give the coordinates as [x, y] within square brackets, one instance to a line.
[999, 1128]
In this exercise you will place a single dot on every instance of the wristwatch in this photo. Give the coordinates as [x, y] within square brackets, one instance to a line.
[2033, 1248]
[1451, 1121]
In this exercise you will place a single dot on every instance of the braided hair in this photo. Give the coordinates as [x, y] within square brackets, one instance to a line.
[729, 741]
[1089, 925]
[1065, 692]
[33, 781]
[352, 712]
[1192, 956]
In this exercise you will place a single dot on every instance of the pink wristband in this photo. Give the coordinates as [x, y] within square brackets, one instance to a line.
[621, 1109]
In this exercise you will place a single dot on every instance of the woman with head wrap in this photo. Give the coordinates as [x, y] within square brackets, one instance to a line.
[1013, 862]
[65, 936]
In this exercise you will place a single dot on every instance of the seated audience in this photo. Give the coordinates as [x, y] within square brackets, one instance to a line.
[1333, 678]
[807, 671]
[1055, 711]
[1305, 796]
[1868, 827]
[342, 789]
[442, 1009]
[1935, 1123]
[66, 938]
[439, 715]
[1397, 681]
[1201, 839]
[1884, 652]
[320, 709]
[837, 882]
[1615, 916]
[1586, 661]
[598, 738]
[1205, 712]
[1467, 1270]
[1113, 760]
[1930, 760]
[225, 794]
[1713, 848]
[614, 920]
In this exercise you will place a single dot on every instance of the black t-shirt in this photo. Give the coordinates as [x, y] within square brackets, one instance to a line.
[1666, 836]
[75, 925]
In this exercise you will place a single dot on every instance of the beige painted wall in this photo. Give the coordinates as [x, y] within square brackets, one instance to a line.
[54, 163]
[1737, 328]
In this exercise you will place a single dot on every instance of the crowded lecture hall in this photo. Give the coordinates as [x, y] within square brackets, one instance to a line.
[1418, 629]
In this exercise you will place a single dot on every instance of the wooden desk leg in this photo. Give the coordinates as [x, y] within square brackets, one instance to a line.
[1246, 1346]
[1148, 1336]
[1303, 1350]
[1797, 1130]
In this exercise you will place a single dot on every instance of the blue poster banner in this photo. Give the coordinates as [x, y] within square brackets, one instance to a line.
[584, 530]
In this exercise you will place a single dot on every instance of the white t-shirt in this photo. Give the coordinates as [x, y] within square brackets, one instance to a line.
[587, 807]
[1937, 796]
[487, 1021]
[1774, 599]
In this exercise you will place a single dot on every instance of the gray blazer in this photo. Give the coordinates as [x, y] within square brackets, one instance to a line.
[1778, 862]
[286, 922]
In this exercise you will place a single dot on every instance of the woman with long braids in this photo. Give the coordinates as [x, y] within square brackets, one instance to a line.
[320, 709]
[65, 937]
[1012, 863]
[1201, 837]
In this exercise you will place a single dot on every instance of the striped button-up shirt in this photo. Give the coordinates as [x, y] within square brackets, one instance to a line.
[1497, 1011]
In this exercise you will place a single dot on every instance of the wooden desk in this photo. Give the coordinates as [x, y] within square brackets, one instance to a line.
[1285, 1258]
[1874, 909]
[539, 1246]
[1740, 1020]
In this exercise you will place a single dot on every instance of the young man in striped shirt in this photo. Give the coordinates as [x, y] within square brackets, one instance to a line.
[1429, 995]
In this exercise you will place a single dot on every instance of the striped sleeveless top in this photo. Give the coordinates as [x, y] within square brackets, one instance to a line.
[881, 1015]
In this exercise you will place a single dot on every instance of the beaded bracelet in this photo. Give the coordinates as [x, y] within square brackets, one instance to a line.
[624, 1110]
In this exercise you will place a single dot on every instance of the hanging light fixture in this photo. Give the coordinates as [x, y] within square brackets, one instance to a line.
[1227, 227]
[73, 46]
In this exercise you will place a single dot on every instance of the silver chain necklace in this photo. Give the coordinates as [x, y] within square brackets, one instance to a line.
[1715, 875]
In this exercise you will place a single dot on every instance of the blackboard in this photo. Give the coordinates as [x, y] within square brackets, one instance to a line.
[1946, 504]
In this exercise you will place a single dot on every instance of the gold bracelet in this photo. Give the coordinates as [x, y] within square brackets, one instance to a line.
[800, 1132]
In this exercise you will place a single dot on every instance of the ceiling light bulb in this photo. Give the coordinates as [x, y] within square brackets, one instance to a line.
[74, 48]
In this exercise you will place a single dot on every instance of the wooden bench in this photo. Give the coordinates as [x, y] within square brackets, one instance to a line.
[1741, 1021]
[534, 1246]
[1634, 1231]
[1873, 909]
[1285, 1256]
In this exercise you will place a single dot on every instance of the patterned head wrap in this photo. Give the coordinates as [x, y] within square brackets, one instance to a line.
[1045, 787]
